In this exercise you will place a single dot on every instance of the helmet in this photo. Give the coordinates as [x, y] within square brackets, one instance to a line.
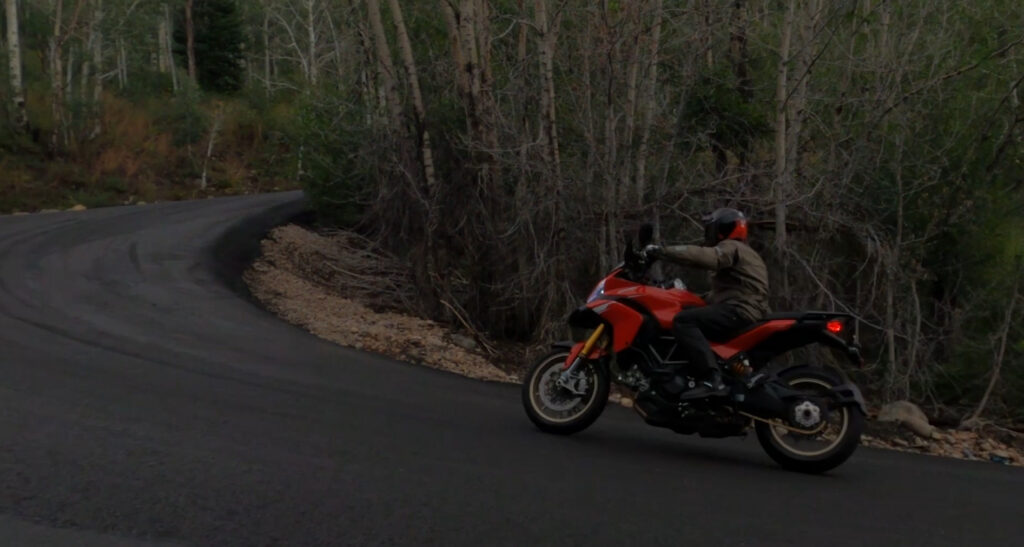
[723, 224]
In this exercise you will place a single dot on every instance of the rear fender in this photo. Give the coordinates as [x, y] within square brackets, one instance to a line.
[796, 335]
[843, 393]
[848, 394]
[850, 350]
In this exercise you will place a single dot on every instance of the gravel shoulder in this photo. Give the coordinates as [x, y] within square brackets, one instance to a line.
[288, 278]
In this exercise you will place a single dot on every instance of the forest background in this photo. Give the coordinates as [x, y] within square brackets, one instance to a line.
[504, 149]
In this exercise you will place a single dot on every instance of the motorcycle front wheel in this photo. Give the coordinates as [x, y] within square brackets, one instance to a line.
[556, 409]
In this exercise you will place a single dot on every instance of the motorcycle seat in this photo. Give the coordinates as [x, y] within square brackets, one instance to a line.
[721, 338]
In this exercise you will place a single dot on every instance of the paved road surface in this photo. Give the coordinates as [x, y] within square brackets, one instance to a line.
[142, 400]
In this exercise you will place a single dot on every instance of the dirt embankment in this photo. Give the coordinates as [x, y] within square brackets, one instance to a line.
[327, 284]
[341, 288]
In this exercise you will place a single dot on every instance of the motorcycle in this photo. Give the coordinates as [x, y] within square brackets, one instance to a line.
[807, 418]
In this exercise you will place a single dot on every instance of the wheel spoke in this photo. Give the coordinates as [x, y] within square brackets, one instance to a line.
[556, 403]
[827, 435]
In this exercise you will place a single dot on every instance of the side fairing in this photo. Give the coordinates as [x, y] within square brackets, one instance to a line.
[624, 321]
[663, 304]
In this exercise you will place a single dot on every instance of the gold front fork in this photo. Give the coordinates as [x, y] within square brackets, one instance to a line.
[585, 351]
[592, 341]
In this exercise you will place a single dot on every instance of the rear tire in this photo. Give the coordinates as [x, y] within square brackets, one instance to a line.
[850, 426]
[555, 410]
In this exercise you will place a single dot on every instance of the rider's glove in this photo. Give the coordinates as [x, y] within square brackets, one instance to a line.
[652, 251]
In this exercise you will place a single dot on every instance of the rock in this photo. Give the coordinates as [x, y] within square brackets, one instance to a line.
[1001, 454]
[969, 454]
[78, 207]
[900, 442]
[140, 203]
[920, 444]
[615, 398]
[626, 402]
[464, 342]
[19, 213]
[1001, 459]
[909, 415]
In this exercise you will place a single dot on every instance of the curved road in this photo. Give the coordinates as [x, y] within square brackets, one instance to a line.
[142, 400]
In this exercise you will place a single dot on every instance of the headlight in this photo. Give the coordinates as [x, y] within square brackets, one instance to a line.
[597, 292]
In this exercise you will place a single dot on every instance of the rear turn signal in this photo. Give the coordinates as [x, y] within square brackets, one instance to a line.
[834, 326]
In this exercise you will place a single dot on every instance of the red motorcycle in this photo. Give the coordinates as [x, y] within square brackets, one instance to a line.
[807, 418]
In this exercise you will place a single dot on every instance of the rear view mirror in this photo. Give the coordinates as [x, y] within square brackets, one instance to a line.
[646, 234]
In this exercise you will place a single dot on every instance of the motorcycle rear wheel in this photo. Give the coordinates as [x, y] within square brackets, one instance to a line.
[554, 409]
[785, 446]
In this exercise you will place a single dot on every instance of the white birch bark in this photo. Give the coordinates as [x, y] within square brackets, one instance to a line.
[385, 65]
[14, 63]
[97, 66]
[172, 66]
[311, 28]
[161, 36]
[218, 118]
[266, 50]
[405, 48]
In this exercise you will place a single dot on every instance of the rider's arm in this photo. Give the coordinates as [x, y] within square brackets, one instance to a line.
[715, 258]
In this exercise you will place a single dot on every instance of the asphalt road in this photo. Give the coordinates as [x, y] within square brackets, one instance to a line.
[143, 400]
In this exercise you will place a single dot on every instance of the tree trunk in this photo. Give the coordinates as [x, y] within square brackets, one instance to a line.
[86, 77]
[782, 171]
[190, 41]
[385, 66]
[218, 118]
[649, 106]
[311, 24]
[458, 58]
[797, 103]
[122, 67]
[546, 39]
[405, 48]
[97, 63]
[70, 72]
[524, 119]
[57, 104]
[738, 50]
[631, 26]
[1000, 354]
[169, 52]
[266, 50]
[57, 75]
[890, 330]
[161, 36]
[14, 60]
[709, 54]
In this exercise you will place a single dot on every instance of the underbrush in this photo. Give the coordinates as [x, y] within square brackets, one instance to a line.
[145, 150]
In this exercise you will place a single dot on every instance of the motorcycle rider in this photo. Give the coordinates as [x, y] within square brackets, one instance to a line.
[739, 297]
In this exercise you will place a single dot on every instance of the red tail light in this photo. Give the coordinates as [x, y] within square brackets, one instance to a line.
[834, 326]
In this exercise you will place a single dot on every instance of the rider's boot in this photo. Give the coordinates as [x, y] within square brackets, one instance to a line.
[710, 386]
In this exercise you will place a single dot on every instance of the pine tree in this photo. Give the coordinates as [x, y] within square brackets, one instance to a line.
[217, 25]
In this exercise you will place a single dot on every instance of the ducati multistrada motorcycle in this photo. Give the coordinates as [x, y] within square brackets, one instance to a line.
[807, 418]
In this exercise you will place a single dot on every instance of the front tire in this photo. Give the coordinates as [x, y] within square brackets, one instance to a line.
[554, 409]
[787, 448]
